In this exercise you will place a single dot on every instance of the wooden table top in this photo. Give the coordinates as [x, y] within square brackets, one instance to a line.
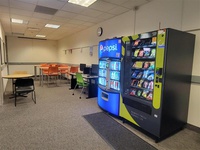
[16, 76]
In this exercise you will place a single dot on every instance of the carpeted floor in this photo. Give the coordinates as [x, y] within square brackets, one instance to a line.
[56, 123]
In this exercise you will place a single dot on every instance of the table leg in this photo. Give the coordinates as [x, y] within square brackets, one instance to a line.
[35, 72]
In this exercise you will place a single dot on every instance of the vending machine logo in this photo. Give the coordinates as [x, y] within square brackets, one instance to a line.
[110, 48]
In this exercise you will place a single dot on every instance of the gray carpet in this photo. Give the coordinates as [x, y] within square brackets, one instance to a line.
[115, 134]
[56, 123]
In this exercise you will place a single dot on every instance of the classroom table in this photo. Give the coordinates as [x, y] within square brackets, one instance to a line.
[16, 76]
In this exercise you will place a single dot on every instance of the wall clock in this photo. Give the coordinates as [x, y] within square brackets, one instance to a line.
[99, 31]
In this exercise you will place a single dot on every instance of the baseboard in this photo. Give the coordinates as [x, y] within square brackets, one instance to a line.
[193, 128]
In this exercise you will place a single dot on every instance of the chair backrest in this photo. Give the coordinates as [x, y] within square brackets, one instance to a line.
[24, 82]
[73, 69]
[79, 78]
[44, 65]
[53, 69]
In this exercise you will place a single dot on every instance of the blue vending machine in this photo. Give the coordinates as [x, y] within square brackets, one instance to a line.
[109, 75]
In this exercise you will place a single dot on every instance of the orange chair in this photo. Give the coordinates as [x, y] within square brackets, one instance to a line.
[72, 69]
[44, 68]
[52, 72]
[63, 68]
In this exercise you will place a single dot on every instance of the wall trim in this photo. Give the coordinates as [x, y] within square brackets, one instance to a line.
[193, 128]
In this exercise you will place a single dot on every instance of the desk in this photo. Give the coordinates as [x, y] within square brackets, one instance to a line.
[93, 85]
[16, 76]
[35, 71]
[72, 80]
[41, 74]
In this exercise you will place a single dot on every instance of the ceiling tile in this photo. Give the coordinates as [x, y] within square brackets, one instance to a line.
[102, 6]
[4, 9]
[133, 3]
[38, 20]
[42, 16]
[65, 14]
[118, 2]
[88, 24]
[29, 1]
[82, 17]
[4, 2]
[118, 10]
[60, 19]
[52, 3]
[21, 12]
[22, 5]
[105, 16]
[73, 8]
[91, 12]
[77, 22]
[36, 24]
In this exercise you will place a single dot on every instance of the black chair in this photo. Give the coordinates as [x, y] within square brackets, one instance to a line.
[23, 87]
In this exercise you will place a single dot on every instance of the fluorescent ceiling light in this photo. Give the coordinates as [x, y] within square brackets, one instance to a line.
[19, 21]
[42, 36]
[52, 26]
[84, 3]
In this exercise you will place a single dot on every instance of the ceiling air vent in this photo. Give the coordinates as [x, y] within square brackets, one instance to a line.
[45, 10]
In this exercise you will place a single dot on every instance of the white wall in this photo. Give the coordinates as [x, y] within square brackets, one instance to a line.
[3, 67]
[30, 51]
[178, 14]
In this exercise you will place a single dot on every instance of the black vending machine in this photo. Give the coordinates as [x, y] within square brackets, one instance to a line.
[156, 80]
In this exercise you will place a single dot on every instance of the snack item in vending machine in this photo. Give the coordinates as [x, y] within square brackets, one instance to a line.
[135, 73]
[139, 76]
[153, 53]
[146, 65]
[139, 93]
[146, 52]
[145, 74]
[134, 82]
[138, 64]
[140, 82]
[145, 84]
[136, 52]
[144, 93]
[149, 96]
[153, 42]
[141, 53]
[151, 66]
[136, 42]
[150, 77]
[150, 86]
[133, 92]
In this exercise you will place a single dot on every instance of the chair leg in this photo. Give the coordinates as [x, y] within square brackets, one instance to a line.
[74, 89]
[34, 97]
[81, 92]
[15, 99]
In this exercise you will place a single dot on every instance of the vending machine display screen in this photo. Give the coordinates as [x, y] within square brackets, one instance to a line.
[102, 81]
[115, 75]
[115, 65]
[102, 64]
